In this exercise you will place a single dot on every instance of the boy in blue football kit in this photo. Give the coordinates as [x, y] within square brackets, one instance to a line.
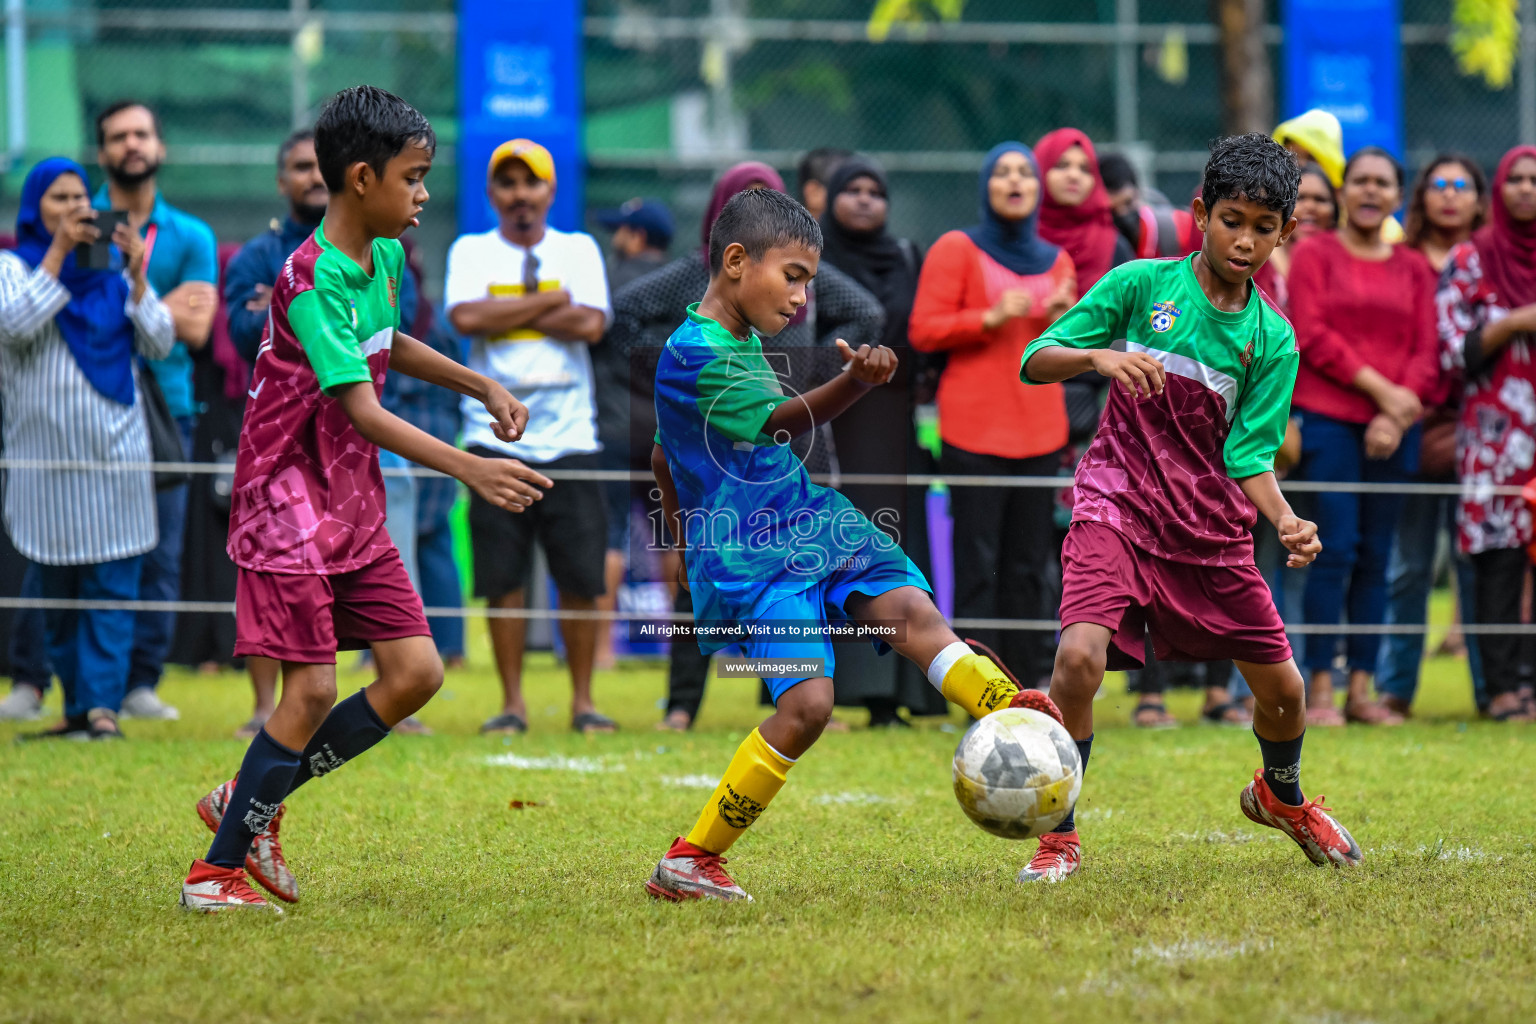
[768, 553]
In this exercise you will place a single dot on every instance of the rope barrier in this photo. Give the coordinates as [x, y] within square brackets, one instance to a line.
[640, 476]
[829, 479]
[542, 614]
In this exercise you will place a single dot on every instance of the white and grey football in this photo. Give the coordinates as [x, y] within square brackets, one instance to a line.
[1017, 773]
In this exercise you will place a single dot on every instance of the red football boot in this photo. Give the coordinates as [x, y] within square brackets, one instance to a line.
[1060, 855]
[265, 860]
[690, 873]
[1036, 700]
[1322, 839]
[210, 888]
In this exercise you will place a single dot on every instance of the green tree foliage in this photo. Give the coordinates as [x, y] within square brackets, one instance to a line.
[1485, 34]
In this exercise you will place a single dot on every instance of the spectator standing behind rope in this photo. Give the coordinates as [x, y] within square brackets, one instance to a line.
[1448, 203]
[642, 232]
[878, 434]
[984, 295]
[181, 263]
[1145, 217]
[434, 410]
[813, 174]
[1364, 312]
[1487, 306]
[1317, 209]
[534, 300]
[645, 315]
[68, 337]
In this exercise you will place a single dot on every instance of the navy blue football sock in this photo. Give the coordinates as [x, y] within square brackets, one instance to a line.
[1069, 823]
[259, 790]
[1282, 767]
[351, 728]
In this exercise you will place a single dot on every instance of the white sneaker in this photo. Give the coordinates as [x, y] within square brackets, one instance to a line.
[23, 704]
[144, 702]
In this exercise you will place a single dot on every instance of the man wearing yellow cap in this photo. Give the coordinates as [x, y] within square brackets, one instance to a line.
[533, 300]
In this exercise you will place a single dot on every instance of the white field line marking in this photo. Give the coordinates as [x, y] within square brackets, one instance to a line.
[1193, 950]
[690, 781]
[826, 799]
[553, 763]
[1235, 837]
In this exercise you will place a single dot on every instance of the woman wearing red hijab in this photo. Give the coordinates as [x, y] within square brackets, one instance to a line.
[1487, 306]
[1074, 211]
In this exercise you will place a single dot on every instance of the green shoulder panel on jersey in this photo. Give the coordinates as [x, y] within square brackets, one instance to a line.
[738, 391]
[321, 318]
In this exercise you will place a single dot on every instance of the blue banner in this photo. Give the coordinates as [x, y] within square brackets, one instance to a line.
[1345, 56]
[519, 77]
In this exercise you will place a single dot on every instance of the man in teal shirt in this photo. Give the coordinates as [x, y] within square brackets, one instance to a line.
[182, 266]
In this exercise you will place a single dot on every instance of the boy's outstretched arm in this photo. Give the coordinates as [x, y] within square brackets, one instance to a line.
[417, 359]
[1140, 373]
[866, 368]
[506, 483]
[1298, 535]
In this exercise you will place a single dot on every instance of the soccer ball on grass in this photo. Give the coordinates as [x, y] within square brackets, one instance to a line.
[1017, 773]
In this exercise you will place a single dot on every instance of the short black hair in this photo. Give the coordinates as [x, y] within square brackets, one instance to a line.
[760, 219]
[1252, 166]
[302, 135]
[818, 164]
[365, 124]
[117, 108]
[1117, 171]
[1397, 168]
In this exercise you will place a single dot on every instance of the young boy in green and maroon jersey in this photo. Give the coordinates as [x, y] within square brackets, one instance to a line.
[1169, 489]
[318, 572]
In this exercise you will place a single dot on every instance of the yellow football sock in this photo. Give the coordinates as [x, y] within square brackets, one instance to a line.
[976, 683]
[755, 774]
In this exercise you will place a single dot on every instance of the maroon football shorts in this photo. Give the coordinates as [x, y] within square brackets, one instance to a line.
[309, 618]
[1193, 612]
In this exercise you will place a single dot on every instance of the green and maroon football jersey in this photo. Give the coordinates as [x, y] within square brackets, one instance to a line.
[1164, 470]
[308, 495]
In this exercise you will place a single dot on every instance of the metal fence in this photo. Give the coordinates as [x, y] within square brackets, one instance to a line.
[676, 89]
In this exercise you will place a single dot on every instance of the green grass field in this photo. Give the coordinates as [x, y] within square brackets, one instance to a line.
[427, 896]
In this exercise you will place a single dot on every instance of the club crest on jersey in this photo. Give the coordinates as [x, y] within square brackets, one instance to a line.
[1246, 358]
[394, 292]
[1163, 316]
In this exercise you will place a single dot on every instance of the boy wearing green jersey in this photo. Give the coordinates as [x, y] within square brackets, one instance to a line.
[1170, 487]
[318, 572]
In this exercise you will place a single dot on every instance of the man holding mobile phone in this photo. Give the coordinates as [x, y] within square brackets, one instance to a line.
[181, 259]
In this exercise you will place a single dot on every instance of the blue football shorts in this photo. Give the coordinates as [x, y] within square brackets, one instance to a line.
[872, 572]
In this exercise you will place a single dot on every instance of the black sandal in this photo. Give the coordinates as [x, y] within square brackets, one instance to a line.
[507, 723]
[591, 721]
[1160, 718]
[1216, 714]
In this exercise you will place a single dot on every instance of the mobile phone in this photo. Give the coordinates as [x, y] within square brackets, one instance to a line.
[97, 255]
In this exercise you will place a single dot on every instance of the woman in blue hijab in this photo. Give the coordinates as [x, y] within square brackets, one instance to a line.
[69, 337]
[984, 294]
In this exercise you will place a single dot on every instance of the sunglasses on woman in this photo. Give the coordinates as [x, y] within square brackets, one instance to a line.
[1450, 184]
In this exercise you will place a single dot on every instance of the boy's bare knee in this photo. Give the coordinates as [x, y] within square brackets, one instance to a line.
[810, 713]
[315, 697]
[1078, 664]
[428, 679]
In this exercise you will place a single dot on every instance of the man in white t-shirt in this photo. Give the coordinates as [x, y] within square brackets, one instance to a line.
[533, 300]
